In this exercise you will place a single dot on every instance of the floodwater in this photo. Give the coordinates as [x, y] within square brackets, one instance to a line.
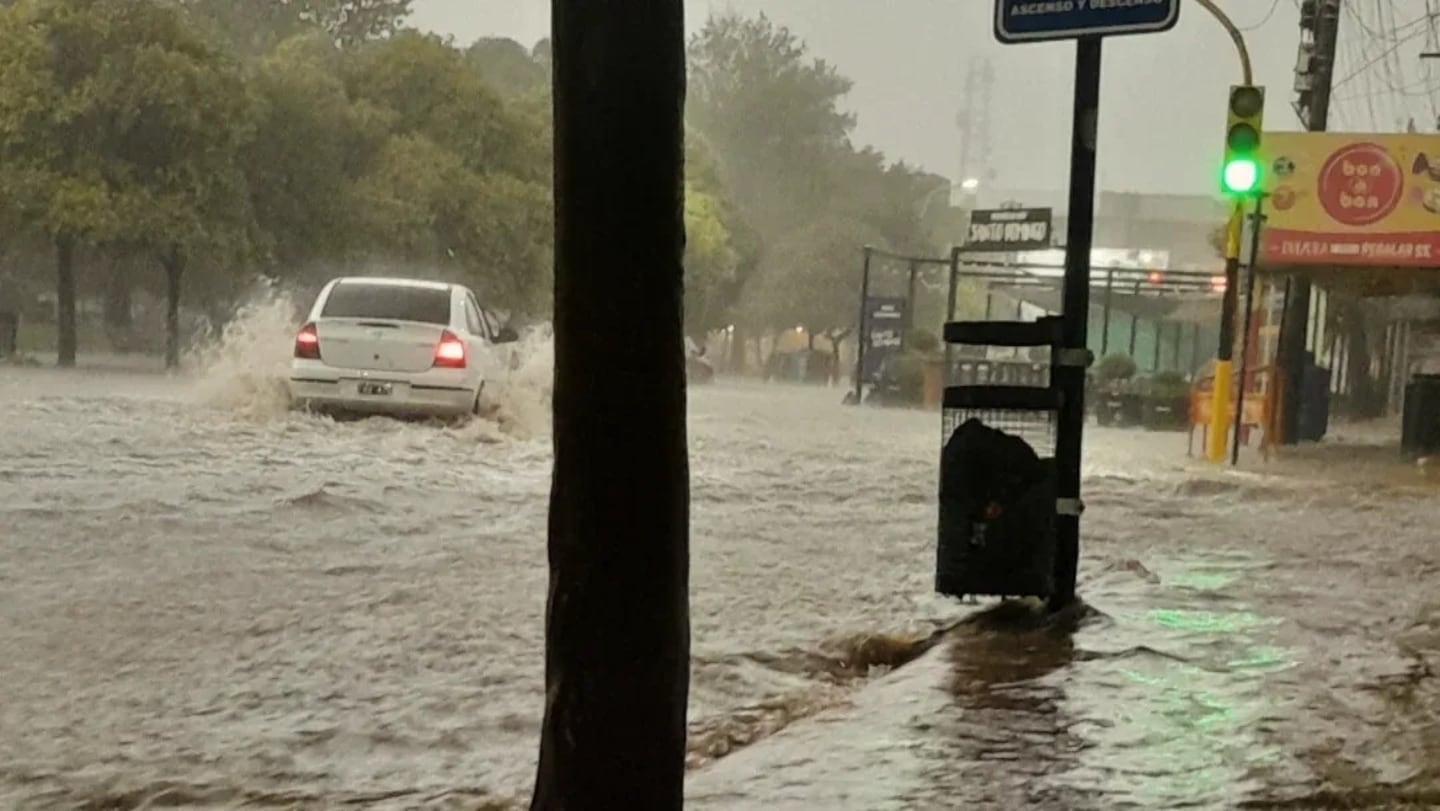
[206, 601]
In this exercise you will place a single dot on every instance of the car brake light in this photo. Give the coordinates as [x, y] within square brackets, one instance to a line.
[450, 352]
[307, 343]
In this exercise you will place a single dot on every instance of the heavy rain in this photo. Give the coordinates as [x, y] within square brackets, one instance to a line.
[283, 376]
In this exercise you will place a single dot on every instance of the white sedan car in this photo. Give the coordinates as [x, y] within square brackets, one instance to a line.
[397, 346]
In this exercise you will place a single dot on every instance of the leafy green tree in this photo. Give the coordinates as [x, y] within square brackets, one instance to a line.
[252, 28]
[812, 279]
[311, 144]
[508, 67]
[352, 22]
[432, 92]
[422, 204]
[771, 114]
[710, 262]
[890, 197]
[120, 128]
[181, 114]
[768, 122]
[49, 132]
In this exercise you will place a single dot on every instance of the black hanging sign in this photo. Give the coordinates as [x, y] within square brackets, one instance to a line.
[1002, 230]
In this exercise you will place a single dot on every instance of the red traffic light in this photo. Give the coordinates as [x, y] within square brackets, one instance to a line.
[1154, 277]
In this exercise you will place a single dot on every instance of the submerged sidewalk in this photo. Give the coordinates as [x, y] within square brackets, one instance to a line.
[960, 727]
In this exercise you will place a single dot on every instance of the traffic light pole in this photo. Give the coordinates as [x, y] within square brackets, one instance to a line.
[1220, 390]
[1220, 393]
[1246, 73]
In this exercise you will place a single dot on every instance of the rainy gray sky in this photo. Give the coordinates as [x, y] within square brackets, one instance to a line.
[1163, 95]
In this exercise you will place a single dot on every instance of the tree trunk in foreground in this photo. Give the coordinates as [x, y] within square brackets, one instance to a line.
[65, 327]
[617, 625]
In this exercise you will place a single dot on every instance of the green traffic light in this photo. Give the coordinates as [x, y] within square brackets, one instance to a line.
[1241, 176]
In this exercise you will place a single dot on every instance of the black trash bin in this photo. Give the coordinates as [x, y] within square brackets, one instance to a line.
[1420, 417]
[997, 516]
[1314, 417]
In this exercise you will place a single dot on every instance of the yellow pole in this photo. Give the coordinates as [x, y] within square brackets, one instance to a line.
[1220, 403]
[1220, 396]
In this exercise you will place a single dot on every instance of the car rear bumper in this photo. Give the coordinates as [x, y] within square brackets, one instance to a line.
[407, 398]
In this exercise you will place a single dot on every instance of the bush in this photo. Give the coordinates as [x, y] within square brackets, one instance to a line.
[923, 342]
[1115, 368]
[912, 376]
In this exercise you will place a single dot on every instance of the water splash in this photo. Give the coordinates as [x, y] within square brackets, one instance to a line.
[242, 367]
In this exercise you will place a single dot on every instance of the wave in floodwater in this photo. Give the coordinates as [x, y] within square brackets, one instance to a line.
[243, 367]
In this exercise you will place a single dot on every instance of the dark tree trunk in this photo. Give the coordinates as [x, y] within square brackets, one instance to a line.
[119, 304]
[66, 340]
[617, 621]
[174, 264]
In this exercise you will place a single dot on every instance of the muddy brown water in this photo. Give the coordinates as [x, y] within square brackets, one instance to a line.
[208, 602]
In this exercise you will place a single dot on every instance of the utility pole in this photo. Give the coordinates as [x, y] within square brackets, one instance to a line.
[617, 631]
[1314, 76]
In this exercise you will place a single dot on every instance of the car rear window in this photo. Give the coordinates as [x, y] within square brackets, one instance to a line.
[388, 302]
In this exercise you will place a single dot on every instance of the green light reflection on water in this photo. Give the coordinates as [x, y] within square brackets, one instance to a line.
[1264, 657]
[1202, 581]
[1197, 721]
[1207, 622]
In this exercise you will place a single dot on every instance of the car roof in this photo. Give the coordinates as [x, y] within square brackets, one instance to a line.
[394, 282]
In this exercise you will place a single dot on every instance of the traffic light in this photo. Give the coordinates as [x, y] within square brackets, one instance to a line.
[1241, 174]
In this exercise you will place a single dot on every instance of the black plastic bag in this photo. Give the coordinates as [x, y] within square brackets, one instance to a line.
[997, 516]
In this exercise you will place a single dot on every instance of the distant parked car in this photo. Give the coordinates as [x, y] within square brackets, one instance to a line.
[404, 347]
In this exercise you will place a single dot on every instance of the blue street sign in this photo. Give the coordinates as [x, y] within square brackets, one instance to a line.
[1018, 21]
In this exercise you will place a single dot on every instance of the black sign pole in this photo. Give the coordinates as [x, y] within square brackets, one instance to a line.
[950, 305]
[862, 332]
[1105, 328]
[1076, 312]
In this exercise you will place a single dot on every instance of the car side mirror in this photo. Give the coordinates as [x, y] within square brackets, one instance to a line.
[506, 335]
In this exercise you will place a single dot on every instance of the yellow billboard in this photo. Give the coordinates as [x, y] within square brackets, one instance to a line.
[1351, 199]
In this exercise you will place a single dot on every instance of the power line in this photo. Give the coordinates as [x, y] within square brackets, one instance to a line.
[1395, 46]
[1374, 58]
[1274, 4]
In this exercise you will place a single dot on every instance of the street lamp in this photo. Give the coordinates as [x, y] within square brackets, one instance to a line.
[969, 184]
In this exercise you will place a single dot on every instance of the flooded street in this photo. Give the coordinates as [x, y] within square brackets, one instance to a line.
[205, 601]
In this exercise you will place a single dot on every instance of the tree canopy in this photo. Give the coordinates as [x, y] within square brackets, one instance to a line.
[778, 139]
[297, 138]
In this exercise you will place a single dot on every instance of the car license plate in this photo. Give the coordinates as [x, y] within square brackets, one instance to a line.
[370, 387]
